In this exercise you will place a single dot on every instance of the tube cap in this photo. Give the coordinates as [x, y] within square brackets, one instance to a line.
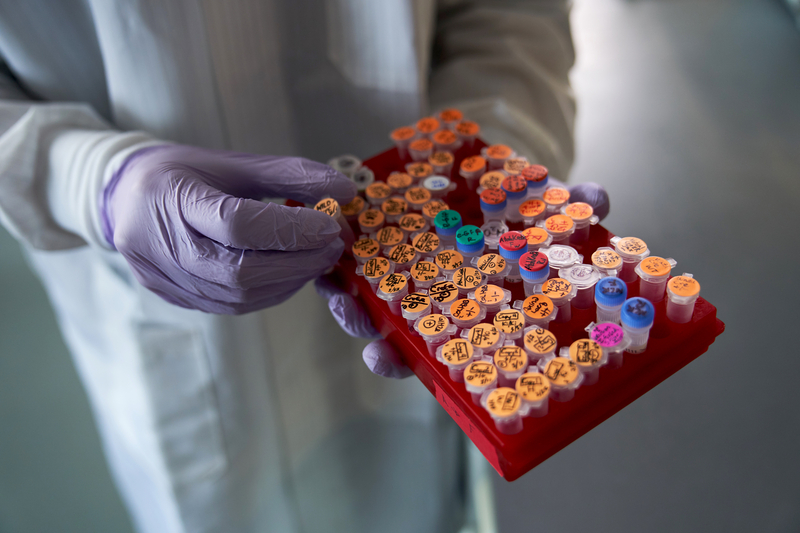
[534, 266]
[493, 200]
[436, 183]
[535, 175]
[637, 313]
[515, 187]
[447, 222]
[469, 239]
[513, 245]
[610, 292]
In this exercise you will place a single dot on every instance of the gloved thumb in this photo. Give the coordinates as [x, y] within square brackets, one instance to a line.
[249, 224]
[345, 310]
[383, 360]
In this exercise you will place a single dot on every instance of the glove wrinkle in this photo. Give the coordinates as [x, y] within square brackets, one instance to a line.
[181, 217]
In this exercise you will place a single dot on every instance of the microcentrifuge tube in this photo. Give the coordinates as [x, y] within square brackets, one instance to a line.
[511, 362]
[653, 275]
[534, 390]
[456, 354]
[392, 288]
[504, 406]
[589, 356]
[564, 376]
[637, 317]
[682, 293]
[609, 295]
[632, 250]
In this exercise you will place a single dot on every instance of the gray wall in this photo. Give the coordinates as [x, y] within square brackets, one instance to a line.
[689, 114]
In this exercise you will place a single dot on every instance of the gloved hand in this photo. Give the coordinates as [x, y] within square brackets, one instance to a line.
[378, 355]
[594, 195]
[189, 222]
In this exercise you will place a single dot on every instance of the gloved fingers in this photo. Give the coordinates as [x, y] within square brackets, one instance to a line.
[257, 176]
[250, 224]
[184, 290]
[248, 269]
[351, 317]
[384, 360]
[347, 312]
[326, 288]
[301, 179]
[593, 194]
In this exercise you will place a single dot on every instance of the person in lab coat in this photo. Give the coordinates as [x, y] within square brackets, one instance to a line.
[117, 122]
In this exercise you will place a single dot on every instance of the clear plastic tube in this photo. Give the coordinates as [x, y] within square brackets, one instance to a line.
[480, 376]
[637, 317]
[583, 278]
[424, 274]
[539, 343]
[415, 305]
[511, 362]
[682, 293]
[374, 270]
[534, 389]
[435, 329]
[653, 275]
[504, 406]
[564, 376]
[539, 310]
[402, 137]
[465, 313]
[589, 356]
[392, 288]
[611, 337]
[456, 355]
[632, 250]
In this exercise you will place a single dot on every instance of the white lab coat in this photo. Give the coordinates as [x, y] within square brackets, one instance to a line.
[269, 421]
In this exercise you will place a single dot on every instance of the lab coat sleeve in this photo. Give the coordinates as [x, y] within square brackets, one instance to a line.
[54, 160]
[506, 66]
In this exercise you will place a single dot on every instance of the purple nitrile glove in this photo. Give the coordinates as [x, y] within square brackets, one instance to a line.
[378, 355]
[594, 195]
[189, 223]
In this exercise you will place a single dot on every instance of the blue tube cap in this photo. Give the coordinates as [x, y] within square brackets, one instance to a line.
[447, 222]
[637, 313]
[610, 292]
[469, 239]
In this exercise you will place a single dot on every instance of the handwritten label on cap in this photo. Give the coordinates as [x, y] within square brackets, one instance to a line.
[561, 371]
[540, 341]
[480, 374]
[510, 358]
[533, 386]
[393, 283]
[449, 259]
[424, 271]
[509, 321]
[491, 264]
[538, 306]
[484, 335]
[456, 351]
[607, 334]
[443, 292]
[503, 402]
[433, 325]
[467, 278]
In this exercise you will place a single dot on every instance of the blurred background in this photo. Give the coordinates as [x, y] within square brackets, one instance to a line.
[689, 114]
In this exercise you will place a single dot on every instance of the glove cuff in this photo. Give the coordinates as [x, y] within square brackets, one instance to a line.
[81, 162]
